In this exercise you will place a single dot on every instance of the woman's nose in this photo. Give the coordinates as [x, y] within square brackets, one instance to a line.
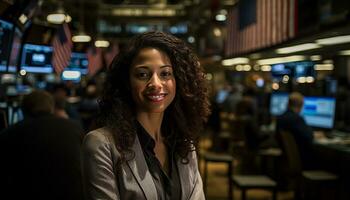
[155, 82]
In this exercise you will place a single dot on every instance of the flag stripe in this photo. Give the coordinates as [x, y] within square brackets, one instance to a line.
[275, 23]
[62, 48]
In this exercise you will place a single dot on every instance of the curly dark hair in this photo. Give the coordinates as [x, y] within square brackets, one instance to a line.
[184, 117]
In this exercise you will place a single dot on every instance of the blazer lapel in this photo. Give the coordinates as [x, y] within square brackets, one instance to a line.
[185, 178]
[140, 170]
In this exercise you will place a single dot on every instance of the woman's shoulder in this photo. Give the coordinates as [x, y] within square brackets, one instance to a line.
[98, 138]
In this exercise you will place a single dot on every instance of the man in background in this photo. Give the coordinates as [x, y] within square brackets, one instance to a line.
[292, 122]
[40, 156]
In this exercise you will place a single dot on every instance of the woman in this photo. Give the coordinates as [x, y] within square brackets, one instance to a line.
[152, 108]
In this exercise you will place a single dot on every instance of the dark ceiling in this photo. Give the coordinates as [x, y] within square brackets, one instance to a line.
[90, 15]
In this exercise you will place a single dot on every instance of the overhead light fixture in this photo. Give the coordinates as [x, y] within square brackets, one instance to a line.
[271, 61]
[101, 43]
[316, 57]
[297, 48]
[235, 61]
[329, 61]
[266, 68]
[59, 16]
[324, 67]
[81, 37]
[334, 40]
[345, 53]
[23, 18]
[220, 17]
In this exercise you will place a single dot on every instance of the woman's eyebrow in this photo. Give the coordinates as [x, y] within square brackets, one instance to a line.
[166, 65]
[148, 66]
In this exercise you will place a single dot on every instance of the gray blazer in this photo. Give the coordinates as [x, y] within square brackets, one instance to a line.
[105, 180]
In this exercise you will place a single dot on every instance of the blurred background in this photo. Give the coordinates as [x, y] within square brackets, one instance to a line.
[255, 54]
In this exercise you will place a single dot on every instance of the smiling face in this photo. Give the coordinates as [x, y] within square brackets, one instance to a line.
[152, 81]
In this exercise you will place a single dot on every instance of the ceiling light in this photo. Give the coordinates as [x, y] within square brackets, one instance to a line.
[301, 79]
[235, 61]
[271, 61]
[324, 67]
[247, 68]
[82, 37]
[266, 68]
[334, 40]
[101, 43]
[220, 17]
[345, 53]
[329, 61]
[23, 18]
[68, 18]
[315, 57]
[239, 68]
[56, 18]
[297, 48]
[310, 79]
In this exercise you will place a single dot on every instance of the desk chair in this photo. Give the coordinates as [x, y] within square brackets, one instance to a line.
[314, 181]
[218, 158]
[245, 182]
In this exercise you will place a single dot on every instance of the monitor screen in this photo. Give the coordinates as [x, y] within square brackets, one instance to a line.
[78, 62]
[278, 103]
[221, 96]
[15, 115]
[74, 76]
[293, 69]
[36, 58]
[15, 50]
[319, 111]
[5, 45]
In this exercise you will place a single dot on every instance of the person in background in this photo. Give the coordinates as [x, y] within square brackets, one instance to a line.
[291, 121]
[153, 107]
[60, 92]
[40, 156]
[60, 105]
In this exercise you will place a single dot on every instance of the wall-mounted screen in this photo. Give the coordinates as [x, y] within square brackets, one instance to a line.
[5, 43]
[36, 58]
[319, 111]
[78, 62]
[278, 103]
[293, 70]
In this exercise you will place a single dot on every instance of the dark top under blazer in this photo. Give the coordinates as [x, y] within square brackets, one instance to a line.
[107, 180]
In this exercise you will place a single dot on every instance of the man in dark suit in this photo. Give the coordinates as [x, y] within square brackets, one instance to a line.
[40, 156]
[291, 121]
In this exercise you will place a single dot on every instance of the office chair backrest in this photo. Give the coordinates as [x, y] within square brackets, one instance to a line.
[290, 152]
[3, 120]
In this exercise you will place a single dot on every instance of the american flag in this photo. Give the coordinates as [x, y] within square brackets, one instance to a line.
[94, 55]
[62, 48]
[110, 53]
[274, 21]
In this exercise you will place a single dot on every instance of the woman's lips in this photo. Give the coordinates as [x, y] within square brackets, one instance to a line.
[155, 97]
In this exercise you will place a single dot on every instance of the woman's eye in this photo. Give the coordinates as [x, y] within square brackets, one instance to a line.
[142, 75]
[166, 74]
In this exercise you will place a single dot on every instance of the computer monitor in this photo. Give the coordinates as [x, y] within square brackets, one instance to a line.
[294, 70]
[278, 103]
[319, 112]
[78, 62]
[221, 96]
[74, 76]
[5, 43]
[36, 58]
[15, 50]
